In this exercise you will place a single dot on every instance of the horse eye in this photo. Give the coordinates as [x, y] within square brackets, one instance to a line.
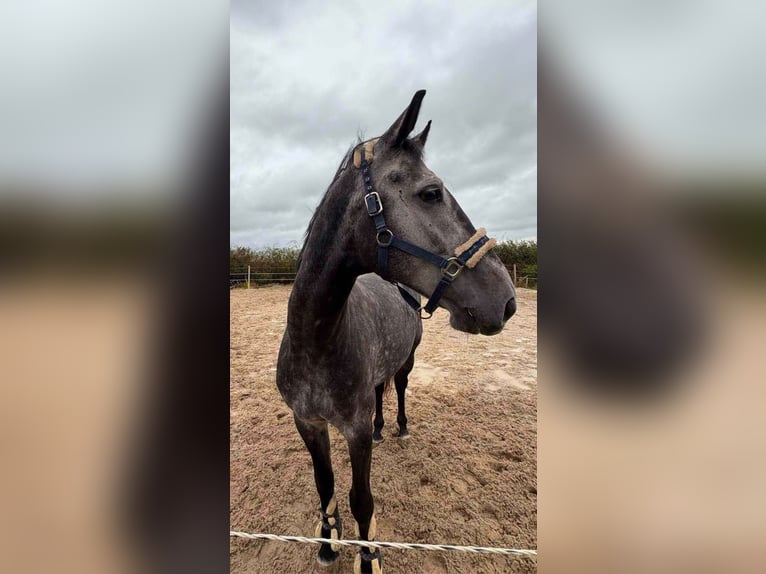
[430, 194]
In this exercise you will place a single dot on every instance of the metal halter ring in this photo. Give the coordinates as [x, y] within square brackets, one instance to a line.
[390, 237]
[453, 267]
[423, 310]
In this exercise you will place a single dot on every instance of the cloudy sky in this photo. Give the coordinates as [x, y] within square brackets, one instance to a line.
[306, 77]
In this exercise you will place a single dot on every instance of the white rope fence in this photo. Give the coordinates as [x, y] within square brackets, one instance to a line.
[375, 544]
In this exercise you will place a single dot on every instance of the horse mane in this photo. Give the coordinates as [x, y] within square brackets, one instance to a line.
[342, 166]
[409, 145]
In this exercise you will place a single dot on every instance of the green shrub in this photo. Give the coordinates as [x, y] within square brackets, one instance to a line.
[275, 264]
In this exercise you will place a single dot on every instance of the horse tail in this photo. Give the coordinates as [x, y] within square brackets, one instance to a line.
[387, 386]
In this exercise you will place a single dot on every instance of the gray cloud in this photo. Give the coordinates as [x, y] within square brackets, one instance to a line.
[306, 77]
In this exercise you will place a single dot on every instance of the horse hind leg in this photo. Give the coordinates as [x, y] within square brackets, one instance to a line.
[400, 381]
[317, 441]
[377, 435]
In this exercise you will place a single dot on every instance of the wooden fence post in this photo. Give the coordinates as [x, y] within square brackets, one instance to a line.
[248, 277]
[514, 275]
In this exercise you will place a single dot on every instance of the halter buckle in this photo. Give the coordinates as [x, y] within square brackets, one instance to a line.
[373, 204]
[453, 267]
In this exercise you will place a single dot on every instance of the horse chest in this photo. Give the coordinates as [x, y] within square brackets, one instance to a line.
[317, 384]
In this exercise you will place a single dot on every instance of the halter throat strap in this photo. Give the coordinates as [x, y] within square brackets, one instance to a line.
[467, 254]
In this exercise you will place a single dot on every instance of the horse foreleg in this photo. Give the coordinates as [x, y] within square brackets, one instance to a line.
[368, 559]
[317, 441]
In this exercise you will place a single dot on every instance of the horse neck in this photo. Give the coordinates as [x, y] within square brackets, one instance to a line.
[326, 276]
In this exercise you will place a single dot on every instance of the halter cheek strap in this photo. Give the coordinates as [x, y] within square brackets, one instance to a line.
[467, 254]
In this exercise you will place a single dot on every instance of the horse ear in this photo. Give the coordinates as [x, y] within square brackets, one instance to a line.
[423, 136]
[405, 123]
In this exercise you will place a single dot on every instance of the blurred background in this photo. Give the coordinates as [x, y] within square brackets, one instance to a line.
[113, 194]
[652, 235]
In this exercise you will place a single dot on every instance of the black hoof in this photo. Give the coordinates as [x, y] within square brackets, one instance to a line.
[326, 555]
[365, 560]
[377, 437]
[404, 434]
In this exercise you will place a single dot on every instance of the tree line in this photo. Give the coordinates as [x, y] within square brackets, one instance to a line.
[284, 259]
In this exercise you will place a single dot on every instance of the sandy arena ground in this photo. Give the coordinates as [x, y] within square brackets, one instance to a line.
[467, 475]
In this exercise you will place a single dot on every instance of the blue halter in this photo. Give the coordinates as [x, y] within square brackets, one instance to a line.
[385, 238]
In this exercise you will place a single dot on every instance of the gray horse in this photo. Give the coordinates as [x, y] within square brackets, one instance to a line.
[350, 331]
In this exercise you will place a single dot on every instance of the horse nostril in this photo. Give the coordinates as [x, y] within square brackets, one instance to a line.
[510, 308]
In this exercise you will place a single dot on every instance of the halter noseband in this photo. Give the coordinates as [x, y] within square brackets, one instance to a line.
[466, 255]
